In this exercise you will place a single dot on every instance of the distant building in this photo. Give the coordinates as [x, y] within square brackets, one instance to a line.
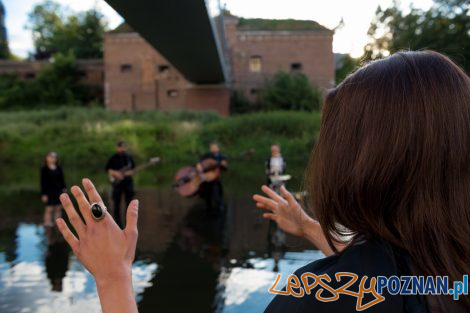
[137, 77]
[91, 71]
[258, 48]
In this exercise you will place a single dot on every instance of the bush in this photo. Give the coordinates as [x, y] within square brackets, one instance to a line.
[290, 91]
[56, 84]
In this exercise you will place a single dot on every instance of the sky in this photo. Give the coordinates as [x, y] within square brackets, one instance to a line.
[351, 38]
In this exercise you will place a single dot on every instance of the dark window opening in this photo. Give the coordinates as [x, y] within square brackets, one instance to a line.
[163, 68]
[126, 68]
[30, 75]
[172, 93]
[296, 66]
[254, 91]
[82, 74]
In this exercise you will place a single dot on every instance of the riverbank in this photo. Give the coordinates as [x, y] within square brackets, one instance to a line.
[89, 135]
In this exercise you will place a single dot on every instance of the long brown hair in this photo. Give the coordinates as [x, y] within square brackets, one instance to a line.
[393, 161]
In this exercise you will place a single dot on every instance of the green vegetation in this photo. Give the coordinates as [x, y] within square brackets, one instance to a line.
[273, 24]
[443, 28]
[57, 83]
[4, 48]
[56, 29]
[283, 91]
[88, 136]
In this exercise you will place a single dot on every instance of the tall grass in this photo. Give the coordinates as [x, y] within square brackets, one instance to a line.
[88, 136]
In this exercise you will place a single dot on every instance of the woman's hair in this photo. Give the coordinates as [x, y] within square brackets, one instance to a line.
[392, 160]
[49, 153]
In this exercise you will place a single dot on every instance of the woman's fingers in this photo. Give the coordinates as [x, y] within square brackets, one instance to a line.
[269, 216]
[272, 194]
[68, 236]
[91, 192]
[131, 228]
[132, 217]
[288, 196]
[267, 203]
[72, 214]
[83, 204]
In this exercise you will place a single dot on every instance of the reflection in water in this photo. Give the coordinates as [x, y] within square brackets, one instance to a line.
[186, 261]
[57, 257]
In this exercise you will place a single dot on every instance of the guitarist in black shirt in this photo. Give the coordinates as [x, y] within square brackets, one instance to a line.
[120, 168]
[212, 191]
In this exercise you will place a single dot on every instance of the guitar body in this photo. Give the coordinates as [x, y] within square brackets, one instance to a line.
[152, 161]
[187, 181]
[210, 170]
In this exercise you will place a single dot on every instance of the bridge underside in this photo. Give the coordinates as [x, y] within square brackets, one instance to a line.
[182, 31]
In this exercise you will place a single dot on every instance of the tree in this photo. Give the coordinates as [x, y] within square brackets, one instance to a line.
[57, 83]
[347, 65]
[55, 29]
[443, 28]
[4, 49]
[289, 91]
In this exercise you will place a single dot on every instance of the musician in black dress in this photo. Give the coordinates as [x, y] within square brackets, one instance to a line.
[120, 170]
[52, 185]
[213, 192]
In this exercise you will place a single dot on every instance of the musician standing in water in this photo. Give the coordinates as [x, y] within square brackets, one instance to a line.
[276, 164]
[213, 192]
[52, 185]
[120, 168]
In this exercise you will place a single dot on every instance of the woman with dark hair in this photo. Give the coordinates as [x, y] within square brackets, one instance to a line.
[52, 185]
[389, 181]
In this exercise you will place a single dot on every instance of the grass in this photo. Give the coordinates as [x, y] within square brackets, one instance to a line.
[88, 136]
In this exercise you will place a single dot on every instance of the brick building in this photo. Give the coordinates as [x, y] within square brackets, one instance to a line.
[259, 48]
[91, 71]
[139, 78]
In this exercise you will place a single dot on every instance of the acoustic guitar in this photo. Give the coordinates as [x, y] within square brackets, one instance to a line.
[188, 179]
[151, 161]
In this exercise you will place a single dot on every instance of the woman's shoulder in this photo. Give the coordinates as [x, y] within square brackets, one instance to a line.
[355, 266]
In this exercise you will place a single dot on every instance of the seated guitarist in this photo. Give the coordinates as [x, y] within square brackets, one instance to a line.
[120, 169]
[212, 192]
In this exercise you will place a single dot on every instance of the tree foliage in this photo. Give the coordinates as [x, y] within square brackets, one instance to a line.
[290, 91]
[55, 29]
[4, 49]
[443, 28]
[347, 65]
[57, 83]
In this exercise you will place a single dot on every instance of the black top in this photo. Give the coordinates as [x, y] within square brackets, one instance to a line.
[369, 259]
[219, 157]
[121, 162]
[52, 181]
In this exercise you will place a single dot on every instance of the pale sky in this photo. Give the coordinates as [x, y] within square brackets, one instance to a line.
[351, 38]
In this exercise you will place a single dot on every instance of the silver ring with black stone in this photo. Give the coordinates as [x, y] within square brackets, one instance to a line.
[98, 211]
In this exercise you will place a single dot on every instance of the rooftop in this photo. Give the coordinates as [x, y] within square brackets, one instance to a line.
[256, 24]
[278, 25]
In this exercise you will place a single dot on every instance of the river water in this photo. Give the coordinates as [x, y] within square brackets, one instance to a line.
[186, 261]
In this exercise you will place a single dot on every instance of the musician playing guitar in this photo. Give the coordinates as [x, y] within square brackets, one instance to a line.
[121, 168]
[212, 191]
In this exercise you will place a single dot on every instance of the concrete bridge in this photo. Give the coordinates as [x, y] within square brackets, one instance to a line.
[183, 31]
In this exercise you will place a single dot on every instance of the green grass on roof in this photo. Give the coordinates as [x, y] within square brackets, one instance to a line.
[123, 28]
[288, 24]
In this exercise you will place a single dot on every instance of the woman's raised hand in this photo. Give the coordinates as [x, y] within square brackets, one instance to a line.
[284, 210]
[102, 247]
